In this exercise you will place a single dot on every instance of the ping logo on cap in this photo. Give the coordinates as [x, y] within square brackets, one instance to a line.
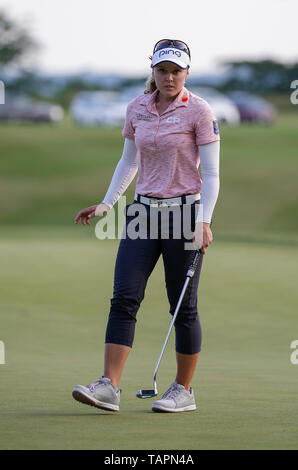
[171, 54]
[168, 51]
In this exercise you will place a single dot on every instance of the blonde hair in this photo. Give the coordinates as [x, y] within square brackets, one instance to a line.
[150, 85]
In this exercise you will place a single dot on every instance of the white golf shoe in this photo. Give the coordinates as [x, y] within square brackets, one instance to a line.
[175, 400]
[101, 394]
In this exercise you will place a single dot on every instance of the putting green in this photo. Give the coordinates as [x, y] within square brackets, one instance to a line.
[55, 293]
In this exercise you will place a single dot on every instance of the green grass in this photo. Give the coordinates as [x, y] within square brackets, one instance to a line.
[55, 294]
[48, 173]
[57, 279]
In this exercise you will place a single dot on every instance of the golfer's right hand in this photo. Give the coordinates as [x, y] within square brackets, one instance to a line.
[92, 211]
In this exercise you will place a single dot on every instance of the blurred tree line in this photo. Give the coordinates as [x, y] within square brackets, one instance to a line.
[16, 43]
[260, 76]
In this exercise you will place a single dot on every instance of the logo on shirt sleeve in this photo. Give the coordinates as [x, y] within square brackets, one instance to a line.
[215, 127]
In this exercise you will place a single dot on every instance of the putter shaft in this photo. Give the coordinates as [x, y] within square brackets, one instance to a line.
[190, 273]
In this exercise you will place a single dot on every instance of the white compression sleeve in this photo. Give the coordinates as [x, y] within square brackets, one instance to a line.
[125, 172]
[209, 161]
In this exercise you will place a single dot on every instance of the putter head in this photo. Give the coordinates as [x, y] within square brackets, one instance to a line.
[142, 393]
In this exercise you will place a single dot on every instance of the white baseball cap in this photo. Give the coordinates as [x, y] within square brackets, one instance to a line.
[171, 54]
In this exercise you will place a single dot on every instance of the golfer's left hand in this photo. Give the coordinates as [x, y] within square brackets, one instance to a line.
[203, 236]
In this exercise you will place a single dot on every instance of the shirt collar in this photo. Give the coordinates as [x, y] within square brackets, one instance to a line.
[181, 100]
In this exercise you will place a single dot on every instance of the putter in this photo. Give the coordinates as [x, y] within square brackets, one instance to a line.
[150, 393]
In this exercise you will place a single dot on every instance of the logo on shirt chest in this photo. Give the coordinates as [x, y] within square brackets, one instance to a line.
[144, 117]
[173, 119]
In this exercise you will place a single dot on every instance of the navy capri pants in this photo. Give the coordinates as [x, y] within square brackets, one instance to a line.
[148, 233]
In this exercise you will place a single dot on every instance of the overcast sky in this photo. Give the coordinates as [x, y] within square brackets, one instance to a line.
[118, 35]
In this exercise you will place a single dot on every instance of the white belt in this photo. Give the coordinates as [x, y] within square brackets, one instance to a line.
[172, 201]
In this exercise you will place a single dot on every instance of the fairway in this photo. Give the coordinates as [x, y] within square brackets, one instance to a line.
[55, 293]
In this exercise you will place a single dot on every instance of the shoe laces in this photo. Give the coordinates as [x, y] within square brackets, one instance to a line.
[172, 391]
[94, 384]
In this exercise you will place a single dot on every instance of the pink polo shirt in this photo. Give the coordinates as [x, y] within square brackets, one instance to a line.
[167, 144]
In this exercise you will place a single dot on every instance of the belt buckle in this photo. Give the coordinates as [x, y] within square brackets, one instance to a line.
[156, 202]
[162, 203]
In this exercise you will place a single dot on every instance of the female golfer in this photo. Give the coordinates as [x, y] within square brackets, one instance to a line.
[168, 132]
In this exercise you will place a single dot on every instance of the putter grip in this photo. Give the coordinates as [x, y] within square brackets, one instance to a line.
[194, 263]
